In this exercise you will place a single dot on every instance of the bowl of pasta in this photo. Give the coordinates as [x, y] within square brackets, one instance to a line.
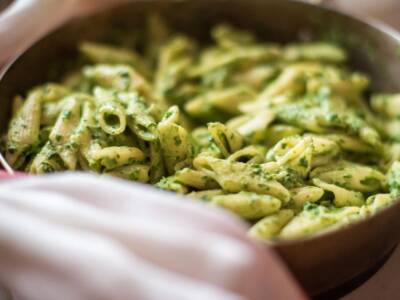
[284, 113]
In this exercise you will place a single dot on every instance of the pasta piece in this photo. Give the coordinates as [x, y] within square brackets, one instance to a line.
[85, 138]
[255, 77]
[291, 80]
[343, 197]
[170, 184]
[218, 79]
[249, 55]
[195, 179]
[393, 179]
[275, 133]
[88, 152]
[157, 33]
[351, 123]
[227, 37]
[391, 130]
[386, 104]
[319, 120]
[121, 78]
[105, 95]
[140, 121]
[315, 51]
[348, 86]
[138, 115]
[50, 112]
[250, 206]
[114, 157]
[75, 80]
[106, 54]
[126, 138]
[51, 92]
[136, 172]
[81, 135]
[206, 195]
[351, 176]
[299, 158]
[112, 118]
[227, 140]
[267, 103]
[377, 202]
[282, 147]
[46, 161]
[295, 152]
[301, 115]
[83, 163]
[324, 150]
[175, 60]
[390, 154]
[207, 106]
[157, 168]
[316, 218]
[306, 194]
[270, 226]
[253, 126]
[250, 154]
[64, 127]
[350, 144]
[201, 138]
[234, 177]
[175, 143]
[23, 132]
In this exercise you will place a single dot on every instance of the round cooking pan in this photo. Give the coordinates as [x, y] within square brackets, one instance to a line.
[320, 262]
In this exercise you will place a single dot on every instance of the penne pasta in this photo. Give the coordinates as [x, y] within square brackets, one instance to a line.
[287, 137]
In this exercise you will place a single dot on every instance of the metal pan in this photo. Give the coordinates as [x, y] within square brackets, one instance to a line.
[320, 262]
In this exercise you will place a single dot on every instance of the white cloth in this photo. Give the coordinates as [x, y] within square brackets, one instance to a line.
[79, 236]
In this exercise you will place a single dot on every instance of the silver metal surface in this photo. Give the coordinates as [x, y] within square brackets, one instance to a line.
[5, 165]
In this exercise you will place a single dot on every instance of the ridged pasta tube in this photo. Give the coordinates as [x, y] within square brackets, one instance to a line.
[112, 118]
[270, 226]
[250, 206]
